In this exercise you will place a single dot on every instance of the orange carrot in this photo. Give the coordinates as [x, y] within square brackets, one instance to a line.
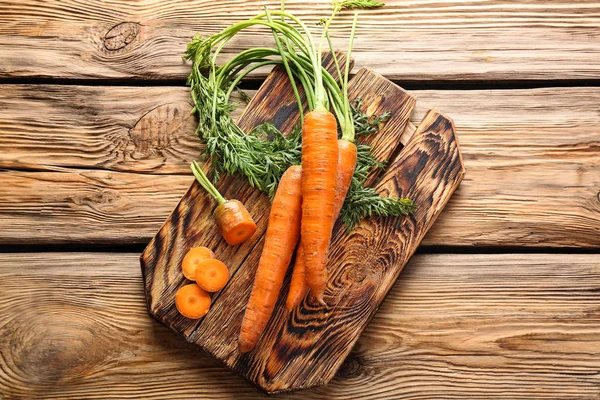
[194, 257]
[319, 181]
[346, 165]
[191, 301]
[298, 286]
[212, 275]
[283, 232]
[234, 222]
[233, 219]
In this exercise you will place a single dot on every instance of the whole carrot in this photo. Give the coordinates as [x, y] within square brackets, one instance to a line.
[346, 164]
[347, 155]
[283, 232]
[319, 181]
[298, 286]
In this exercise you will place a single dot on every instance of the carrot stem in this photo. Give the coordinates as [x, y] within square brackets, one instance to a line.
[348, 132]
[206, 184]
[334, 55]
[286, 66]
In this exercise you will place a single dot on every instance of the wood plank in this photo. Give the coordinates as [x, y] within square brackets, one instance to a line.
[407, 40]
[143, 130]
[85, 206]
[454, 326]
[532, 157]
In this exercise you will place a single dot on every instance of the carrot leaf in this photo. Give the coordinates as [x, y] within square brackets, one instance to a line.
[364, 202]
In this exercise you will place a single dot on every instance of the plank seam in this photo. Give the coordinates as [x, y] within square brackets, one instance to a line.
[423, 249]
[252, 84]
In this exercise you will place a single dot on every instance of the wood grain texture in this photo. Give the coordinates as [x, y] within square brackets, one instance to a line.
[533, 158]
[453, 40]
[454, 326]
[146, 130]
[84, 206]
[191, 224]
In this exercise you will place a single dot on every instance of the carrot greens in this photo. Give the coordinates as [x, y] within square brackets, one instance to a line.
[263, 154]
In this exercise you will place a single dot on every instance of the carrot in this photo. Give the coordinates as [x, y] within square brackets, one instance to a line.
[191, 301]
[283, 232]
[298, 286]
[233, 219]
[346, 165]
[194, 257]
[212, 275]
[319, 181]
[234, 222]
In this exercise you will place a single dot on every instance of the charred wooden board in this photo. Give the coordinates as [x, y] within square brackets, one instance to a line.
[305, 348]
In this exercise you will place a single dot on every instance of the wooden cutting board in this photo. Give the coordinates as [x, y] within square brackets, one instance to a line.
[305, 348]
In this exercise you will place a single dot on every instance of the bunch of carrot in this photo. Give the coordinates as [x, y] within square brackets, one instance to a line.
[306, 204]
[309, 196]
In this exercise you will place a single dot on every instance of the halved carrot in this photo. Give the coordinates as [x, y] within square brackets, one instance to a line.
[194, 257]
[212, 275]
[191, 301]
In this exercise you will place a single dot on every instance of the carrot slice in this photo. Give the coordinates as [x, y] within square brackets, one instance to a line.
[194, 257]
[191, 301]
[212, 275]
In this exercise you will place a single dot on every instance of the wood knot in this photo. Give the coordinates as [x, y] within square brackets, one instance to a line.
[357, 274]
[158, 130]
[351, 368]
[104, 199]
[57, 347]
[106, 196]
[121, 35]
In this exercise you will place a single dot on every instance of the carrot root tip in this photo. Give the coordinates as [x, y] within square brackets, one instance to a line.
[245, 347]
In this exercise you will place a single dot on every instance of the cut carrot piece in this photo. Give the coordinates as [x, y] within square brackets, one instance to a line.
[234, 222]
[192, 302]
[194, 257]
[233, 219]
[212, 275]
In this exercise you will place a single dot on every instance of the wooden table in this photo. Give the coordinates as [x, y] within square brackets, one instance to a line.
[502, 299]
